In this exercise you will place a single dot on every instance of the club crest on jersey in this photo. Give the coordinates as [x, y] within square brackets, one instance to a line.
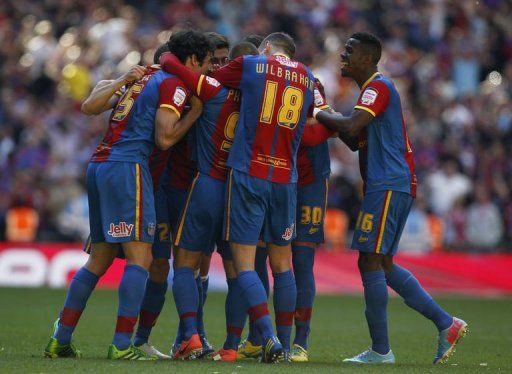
[212, 81]
[120, 230]
[369, 96]
[179, 96]
[288, 232]
[151, 229]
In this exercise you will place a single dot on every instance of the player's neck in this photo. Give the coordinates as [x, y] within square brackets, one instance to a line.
[365, 78]
[279, 53]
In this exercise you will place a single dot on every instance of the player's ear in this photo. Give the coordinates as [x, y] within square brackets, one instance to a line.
[194, 61]
[265, 49]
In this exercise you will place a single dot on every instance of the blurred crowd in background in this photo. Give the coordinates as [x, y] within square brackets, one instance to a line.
[450, 60]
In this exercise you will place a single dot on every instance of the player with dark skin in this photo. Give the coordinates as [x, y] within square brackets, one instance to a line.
[358, 62]
[377, 129]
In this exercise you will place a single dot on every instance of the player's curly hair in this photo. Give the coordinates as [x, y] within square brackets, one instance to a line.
[184, 44]
[371, 43]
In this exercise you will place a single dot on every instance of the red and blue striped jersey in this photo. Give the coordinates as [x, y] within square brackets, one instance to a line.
[181, 169]
[277, 97]
[313, 163]
[385, 153]
[131, 132]
[213, 133]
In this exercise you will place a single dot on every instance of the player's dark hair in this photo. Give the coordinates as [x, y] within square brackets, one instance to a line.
[160, 51]
[371, 43]
[253, 39]
[184, 44]
[282, 41]
[219, 41]
[243, 48]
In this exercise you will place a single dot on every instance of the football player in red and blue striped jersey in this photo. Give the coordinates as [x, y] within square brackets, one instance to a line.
[387, 169]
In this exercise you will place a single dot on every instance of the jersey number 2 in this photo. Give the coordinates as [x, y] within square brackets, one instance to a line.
[288, 114]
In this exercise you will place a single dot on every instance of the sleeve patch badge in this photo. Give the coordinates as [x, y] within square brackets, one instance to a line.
[212, 81]
[319, 100]
[369, 96]
[179, 96]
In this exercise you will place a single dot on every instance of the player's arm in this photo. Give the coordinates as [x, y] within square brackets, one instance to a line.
[202, 86]
[352, 142]
[170, 128]
[372, 102]
[106, 93]
[231, 74]
[315, 134]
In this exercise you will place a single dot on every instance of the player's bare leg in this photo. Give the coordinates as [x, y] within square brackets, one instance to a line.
[186, 297]
[80, 289]
[285, 292]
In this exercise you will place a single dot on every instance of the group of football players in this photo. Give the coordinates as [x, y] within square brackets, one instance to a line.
[217, 147]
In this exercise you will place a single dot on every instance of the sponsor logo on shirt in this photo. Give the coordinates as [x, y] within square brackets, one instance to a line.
[179, 96]
[212, 81]
[369, 96]
[120, 230]
[313, 230]
[288, 232]
[362, 239]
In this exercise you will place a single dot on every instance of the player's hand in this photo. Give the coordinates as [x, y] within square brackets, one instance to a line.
[319, 93]
[168, 60]
[134, 74]
[320, 86]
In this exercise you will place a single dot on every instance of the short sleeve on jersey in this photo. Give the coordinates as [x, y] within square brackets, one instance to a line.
[374, 99]
[173, 95]
[207, 87]
[231, 74]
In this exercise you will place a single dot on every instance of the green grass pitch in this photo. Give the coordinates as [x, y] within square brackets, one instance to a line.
[338, 330]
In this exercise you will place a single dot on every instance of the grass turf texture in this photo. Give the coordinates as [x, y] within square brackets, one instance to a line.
[338, 330]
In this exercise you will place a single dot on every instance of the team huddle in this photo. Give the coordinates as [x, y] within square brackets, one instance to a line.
[225, 148]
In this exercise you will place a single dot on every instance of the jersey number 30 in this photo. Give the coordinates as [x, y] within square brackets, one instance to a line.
[288, 114]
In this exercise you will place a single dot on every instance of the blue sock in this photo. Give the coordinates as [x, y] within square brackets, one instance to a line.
[180, 335]
[376, 298]
[205, 283]
[131, 294]
[253, 294]
[186, 297]
[407, 286]
[79, 291]
[303, 261]
[152, 305]
[260, 265]
[285, 298]
[200, 323]
[236, 313]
